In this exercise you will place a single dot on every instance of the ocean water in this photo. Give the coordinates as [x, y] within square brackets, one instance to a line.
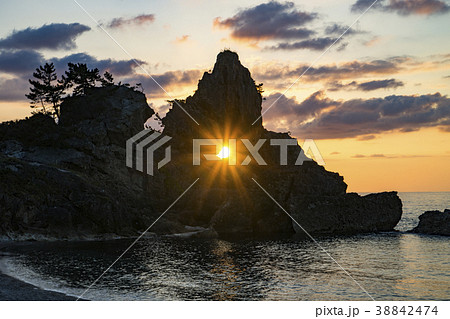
[388, 266]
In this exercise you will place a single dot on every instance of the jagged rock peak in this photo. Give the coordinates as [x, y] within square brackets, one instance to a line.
[229, 71]
[227, 58]
[229, 92]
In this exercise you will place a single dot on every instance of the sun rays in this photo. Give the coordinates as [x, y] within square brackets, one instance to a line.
[221, 173]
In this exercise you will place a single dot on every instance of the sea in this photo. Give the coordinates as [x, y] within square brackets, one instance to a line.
[386, 266]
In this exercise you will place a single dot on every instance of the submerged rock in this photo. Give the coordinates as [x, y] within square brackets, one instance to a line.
[434, 223]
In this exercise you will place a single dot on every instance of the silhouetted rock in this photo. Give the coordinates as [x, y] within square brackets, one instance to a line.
[39, 129]
[226, 102]
[226, 105]
[41, 201]
[434, 223]
[70, 180]
[347, 213]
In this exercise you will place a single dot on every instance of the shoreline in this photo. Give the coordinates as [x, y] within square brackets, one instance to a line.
[12, 289]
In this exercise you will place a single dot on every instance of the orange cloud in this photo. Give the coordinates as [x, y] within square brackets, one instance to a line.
[183, 38]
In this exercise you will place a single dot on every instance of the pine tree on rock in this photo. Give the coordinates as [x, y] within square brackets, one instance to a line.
[107, 79]
[46, 91]
[81, 78]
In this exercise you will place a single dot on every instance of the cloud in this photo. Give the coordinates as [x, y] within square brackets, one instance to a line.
[335, 153]
[390, 156]
[138, 20]
[282, 23]
[372, 156]
[116, 67]
[404, 7]
[13, 89]
[365, 86]
[330, 72]
[372, 42]
[168, 80]
[379, 84]
[182, 39]
[55, 36]
[22, 63]
[278, 73]
[337, 29]
[162, 109]
[366, 137]
[359, 117]
[271, 20]
[311, 106]
[19, 61]
[317, 44]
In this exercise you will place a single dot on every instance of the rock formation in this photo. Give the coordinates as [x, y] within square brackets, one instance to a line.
[227, 199]
[434, 223]
[70, 180]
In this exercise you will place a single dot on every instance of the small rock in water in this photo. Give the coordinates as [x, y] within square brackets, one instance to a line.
[434, 223]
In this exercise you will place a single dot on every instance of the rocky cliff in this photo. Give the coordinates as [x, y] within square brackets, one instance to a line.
[70, 180]
[227, 199]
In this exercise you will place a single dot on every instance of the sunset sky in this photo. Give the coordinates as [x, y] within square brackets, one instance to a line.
[376, 103]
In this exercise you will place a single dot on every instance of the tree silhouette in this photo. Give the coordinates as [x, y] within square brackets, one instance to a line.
[46, 90]
[107, 79]
[80, 78]
[259, 88]
[139, 87]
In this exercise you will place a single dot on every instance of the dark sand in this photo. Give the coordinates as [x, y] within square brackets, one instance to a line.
[14, 289]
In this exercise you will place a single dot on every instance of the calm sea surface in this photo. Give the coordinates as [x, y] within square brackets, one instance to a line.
[390, 266]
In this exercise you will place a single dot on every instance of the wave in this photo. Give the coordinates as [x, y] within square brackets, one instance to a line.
[13, 267]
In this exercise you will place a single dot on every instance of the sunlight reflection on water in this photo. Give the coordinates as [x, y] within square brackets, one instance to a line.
[390, 266]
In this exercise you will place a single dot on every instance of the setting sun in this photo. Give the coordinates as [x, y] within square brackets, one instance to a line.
[224, 152]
